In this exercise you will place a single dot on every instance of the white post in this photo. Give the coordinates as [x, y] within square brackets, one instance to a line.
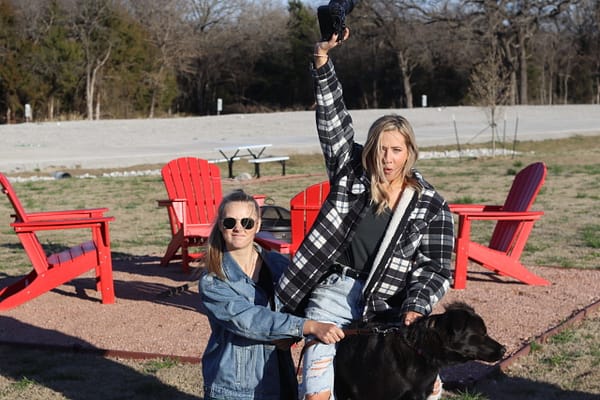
[28, 113]
[219, 105]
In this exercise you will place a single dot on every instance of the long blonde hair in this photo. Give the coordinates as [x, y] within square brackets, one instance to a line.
[216, 243]
[371, 157]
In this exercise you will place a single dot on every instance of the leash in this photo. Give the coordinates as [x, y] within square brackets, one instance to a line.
[347, 332]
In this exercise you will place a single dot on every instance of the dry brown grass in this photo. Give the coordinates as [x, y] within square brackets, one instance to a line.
[567, 236]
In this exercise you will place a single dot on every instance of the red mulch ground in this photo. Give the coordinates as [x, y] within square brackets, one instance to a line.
[145, 322]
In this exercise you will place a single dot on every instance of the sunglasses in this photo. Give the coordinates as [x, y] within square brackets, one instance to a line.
[229, 223]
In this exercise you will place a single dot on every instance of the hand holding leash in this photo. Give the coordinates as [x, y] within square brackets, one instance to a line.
[326, 332]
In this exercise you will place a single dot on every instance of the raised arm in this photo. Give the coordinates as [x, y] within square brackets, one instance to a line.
[334, 123]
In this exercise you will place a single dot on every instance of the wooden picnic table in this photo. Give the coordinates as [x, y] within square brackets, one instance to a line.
[232, 153]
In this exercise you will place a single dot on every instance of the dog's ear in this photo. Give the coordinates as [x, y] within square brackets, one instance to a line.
[459, 305]
[451, 323]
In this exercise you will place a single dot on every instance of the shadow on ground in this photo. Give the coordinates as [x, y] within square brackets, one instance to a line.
[165, 285]
[503, 387]
[76, 374]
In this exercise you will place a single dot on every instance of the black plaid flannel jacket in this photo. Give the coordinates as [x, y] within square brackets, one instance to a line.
[415, 263]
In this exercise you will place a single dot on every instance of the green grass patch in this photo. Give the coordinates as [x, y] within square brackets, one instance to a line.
[535, 346]
[559, 360]
[566, 336]
[153, 366]
[591, 236]
[467, 395]
[23, 384]
[593, 169]
[468, 200]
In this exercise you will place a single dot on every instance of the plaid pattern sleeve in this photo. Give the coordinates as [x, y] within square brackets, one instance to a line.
[430, 278]
[342, 208]
[334, 123]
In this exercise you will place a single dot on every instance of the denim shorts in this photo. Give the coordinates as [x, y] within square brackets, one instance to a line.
[336, 299]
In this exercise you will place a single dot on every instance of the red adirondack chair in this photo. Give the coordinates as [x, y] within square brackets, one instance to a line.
[57, 269]
[304, 208]
[194, 190]
[515, 222]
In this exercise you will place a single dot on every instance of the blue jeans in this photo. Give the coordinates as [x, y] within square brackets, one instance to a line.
[336, 299]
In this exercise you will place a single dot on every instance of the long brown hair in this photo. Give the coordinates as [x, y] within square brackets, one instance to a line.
[216, 243]
[371, 159]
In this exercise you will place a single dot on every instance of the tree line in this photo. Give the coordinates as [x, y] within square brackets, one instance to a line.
[74, 59]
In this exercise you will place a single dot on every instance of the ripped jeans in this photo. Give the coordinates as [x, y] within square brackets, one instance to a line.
[336, 299]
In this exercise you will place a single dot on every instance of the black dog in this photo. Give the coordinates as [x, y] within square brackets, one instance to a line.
[383, 362]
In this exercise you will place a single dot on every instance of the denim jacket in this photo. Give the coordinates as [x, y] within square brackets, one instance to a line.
[239, 361]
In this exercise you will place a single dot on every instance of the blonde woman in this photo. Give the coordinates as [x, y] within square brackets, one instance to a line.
[382, 243]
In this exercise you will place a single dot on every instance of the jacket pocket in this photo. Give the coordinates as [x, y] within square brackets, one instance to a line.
[245, 366]
[411, 239]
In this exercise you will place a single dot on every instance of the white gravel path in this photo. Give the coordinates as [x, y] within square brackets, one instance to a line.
[123, 143]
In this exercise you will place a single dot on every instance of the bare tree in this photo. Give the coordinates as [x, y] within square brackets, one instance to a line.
[164, 22]
[91, 21]
[580, 55]
[255, 32]
[403, 32]
[207, 22]
[523, 21]
[490, 86]
[513, 23]
[367, 53]
[39, 21]
[553, 49]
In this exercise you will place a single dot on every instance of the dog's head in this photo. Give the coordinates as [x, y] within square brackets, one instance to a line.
[460, 335]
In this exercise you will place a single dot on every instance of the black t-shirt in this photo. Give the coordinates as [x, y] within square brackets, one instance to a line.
[265, 282]
[360, 253]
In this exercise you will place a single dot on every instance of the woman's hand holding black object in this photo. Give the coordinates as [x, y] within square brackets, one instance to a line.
[322, 48]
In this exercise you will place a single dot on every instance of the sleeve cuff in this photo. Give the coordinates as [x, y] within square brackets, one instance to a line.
[324, 71]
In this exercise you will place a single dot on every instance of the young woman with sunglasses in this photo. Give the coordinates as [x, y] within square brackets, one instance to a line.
[248, 355]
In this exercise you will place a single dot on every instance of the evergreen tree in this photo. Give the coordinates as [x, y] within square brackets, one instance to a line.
[10, 105]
